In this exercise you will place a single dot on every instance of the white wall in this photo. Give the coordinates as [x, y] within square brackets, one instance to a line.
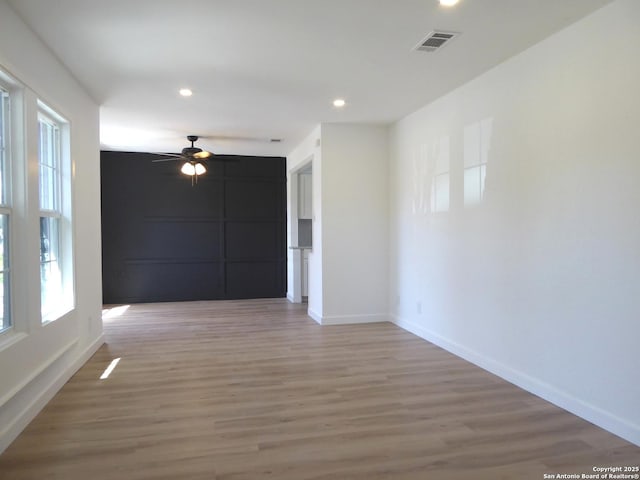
[355, 220]
[349, 263]
[35, 359]
[538, 283]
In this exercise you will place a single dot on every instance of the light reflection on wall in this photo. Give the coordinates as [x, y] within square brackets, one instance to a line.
[477, 143]
[440, 183]
[419, 180]
[431, 177]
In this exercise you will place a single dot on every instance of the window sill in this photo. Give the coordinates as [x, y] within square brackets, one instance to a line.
[10, 337]
[57, 315]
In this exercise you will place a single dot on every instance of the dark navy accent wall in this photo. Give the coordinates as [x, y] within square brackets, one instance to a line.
[164, 240]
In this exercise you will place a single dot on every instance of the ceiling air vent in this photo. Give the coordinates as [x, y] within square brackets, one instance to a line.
[435, 41]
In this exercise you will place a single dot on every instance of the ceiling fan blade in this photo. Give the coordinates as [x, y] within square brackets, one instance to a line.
[202, 154]
[170, 159]
[166, 156]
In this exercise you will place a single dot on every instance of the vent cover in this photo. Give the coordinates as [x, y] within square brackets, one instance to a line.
[435, 41]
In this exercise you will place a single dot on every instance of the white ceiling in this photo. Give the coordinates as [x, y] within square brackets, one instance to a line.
[263, 69]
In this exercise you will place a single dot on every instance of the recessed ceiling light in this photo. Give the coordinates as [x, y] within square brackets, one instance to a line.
[448, 3]
[186, 92]
[339, 103]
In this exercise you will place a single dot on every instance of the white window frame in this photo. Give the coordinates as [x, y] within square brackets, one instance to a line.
[60, 301]
[5, 204]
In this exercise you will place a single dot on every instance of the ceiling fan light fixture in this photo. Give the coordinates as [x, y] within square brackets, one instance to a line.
[193, 168]
[188, 168]
[199, 169]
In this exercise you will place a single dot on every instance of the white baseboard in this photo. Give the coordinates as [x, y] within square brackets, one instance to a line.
[591, 413]
[290, 297]
[313, 314]
[10, 432]
[352, 319]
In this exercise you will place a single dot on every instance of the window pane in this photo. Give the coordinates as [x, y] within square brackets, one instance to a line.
[47, 181]
[50, 275]
[48, 150]
[5, 320]
[45, 143]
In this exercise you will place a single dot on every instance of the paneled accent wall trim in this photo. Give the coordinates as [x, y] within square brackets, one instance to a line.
[166, 240]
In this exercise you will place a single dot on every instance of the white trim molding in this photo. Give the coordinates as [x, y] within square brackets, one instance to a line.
[38, 399]
[611, 423]
[349, 319]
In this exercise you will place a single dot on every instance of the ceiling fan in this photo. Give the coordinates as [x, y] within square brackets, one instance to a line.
[192, 157]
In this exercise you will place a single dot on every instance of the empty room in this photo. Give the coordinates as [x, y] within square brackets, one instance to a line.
[337, 239]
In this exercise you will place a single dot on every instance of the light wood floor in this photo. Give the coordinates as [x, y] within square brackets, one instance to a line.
[256, 390]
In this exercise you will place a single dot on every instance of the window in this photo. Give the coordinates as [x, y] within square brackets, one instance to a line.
[56, 282]
[5, 210]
